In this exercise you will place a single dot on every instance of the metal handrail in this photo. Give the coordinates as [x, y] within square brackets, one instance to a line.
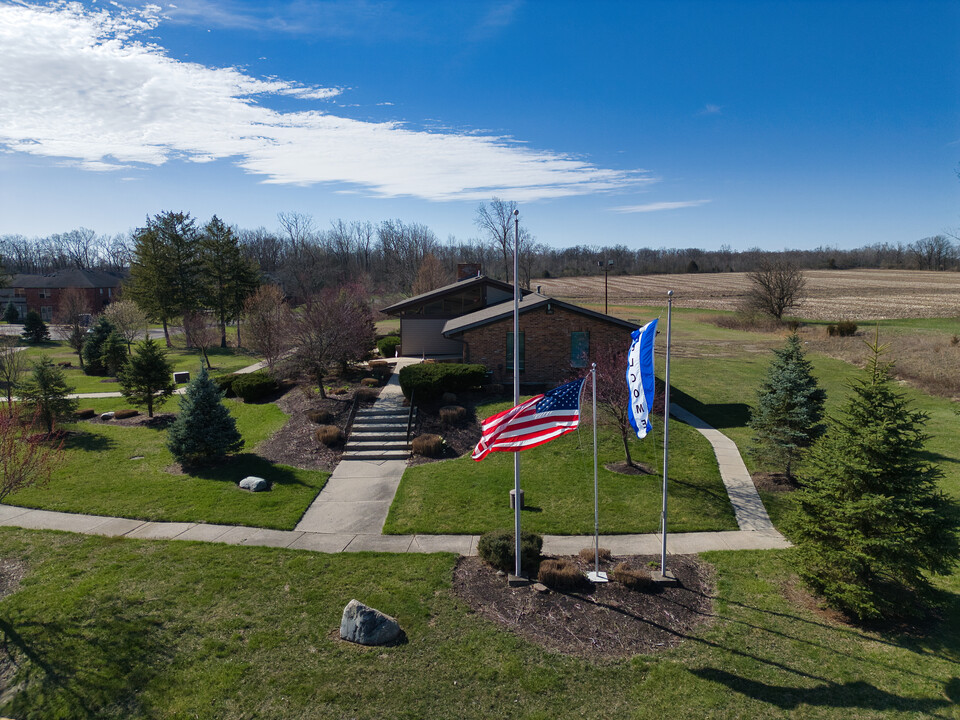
[410, 414]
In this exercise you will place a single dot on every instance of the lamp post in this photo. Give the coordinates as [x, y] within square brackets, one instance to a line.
[606, 270]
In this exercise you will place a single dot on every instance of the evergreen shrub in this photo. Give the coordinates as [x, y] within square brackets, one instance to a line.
[388, 345]
[34, 328]
[254, 386]
[93, 346]
[427, 382]
[497, 549]
[11, 315]
[204, 430]
[225, 383]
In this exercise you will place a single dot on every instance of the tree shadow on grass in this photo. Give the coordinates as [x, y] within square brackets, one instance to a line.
[853, 694]
[237, 467]
[719, 415]
[72, 669]
[88, 442]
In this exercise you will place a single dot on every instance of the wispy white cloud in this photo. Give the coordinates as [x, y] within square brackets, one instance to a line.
[79, 85]
[657, 206]
[710, 109]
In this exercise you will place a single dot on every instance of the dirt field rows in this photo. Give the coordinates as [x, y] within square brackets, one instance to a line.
[831, 294]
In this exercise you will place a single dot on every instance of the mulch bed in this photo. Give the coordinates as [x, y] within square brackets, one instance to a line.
[601, 621]
[458, 439]
[295, 443]
[774, 482]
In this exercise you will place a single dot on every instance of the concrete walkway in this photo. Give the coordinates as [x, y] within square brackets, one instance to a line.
[349, 513]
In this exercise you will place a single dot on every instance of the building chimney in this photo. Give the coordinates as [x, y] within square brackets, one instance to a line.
[465, 271]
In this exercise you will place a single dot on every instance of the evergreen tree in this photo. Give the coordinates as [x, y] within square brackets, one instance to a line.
[787, 419]
[11, 315]
[204, 430]
[870, 521]
[44, 391]
[147, 379]
[93, 347]
[34, 328]
[113, 353]
[229, 277]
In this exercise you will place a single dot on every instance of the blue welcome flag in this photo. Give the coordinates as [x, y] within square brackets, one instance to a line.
[640, 378]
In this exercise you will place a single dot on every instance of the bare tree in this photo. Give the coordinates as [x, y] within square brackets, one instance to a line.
[496, 220]
[198, 326]
[13, 363]
[129, 320]
[932, 253]
[267, 324]
[26, 458]
[777, 286]
[73, 313]
[432, 275]
[613, 396]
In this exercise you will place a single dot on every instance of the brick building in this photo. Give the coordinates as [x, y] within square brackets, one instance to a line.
[472, 321]
[42, 292]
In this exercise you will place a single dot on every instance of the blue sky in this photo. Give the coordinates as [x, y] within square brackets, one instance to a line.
[657, 124]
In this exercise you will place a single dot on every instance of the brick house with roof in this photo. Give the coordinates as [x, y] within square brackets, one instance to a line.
[42, 292]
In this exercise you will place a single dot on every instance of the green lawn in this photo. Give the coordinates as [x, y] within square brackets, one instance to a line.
[101, 477]
[107, 628]
[223, 360]
[464, 496]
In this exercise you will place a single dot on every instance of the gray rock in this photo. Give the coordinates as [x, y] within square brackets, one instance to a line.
[254, 484]
[107, 416]
[366, 626]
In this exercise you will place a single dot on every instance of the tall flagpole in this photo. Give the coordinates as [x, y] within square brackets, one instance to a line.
[596, 576]
[517, 497]
[666, 575]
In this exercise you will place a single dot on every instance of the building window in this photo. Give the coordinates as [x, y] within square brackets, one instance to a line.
[46, 313]
[523, 353]
[579, 349]
[19, 292]
[44, 293]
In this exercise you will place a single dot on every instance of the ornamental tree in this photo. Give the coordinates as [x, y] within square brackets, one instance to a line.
[787, 419]
[870, 521]
[147, 379]
[204, 430]
[26, 458]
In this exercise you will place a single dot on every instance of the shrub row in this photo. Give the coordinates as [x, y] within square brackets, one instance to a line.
[427, 382]
[254, 386]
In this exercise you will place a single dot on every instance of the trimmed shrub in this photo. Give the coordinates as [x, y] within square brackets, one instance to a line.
[427, 382]
[367, 394]
[370, 382]
[225, 383]
[844, 328]
[85, 414]
[125, 413]
[254, 386]
[428, 445]
[631, 578]
[320, 417]
[560, 574]
[448, 398]
[388, 345]
[329, 435]
[497, 548]
[588, 555]
[452, 414]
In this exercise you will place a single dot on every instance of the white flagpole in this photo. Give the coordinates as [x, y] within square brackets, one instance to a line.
[596, 576]
[666, 575]
[517, 497]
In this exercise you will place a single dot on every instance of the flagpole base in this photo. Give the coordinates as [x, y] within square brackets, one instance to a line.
[518, 580]
[597, 577]
[664, 579]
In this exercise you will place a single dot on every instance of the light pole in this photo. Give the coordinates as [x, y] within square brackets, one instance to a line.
[606, 270]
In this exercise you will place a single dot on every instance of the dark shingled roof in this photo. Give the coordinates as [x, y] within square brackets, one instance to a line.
[448, 289]
[70, 278]
[530, 302]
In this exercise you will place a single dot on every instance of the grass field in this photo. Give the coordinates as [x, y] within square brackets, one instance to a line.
[464, 496]
[106, 628]
[122, 471]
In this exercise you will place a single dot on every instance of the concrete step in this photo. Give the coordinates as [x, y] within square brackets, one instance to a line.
[377, 426]
[375, 455]
[379, 436]
[377, 445]
[384, 411]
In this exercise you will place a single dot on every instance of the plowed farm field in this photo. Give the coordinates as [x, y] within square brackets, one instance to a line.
[830, 294]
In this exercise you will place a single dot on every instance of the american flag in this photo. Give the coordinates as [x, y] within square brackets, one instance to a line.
[534, 422]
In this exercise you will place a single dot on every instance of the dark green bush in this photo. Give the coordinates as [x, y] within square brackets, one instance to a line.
[560, 574]
[388, 345]
[254, 386]
[427, 382]
[225, 383]
[497, 548]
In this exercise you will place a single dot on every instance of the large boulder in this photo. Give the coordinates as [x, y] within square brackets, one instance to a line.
[254, 484]
[367, 626]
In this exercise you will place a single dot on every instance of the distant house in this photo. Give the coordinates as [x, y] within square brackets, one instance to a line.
[472, 321]
[42, 292]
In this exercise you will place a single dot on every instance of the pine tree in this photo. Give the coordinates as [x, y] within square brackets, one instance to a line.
[45, 391]
[787, 419]
[11, 315]
[34, 328]
[113, 353]
[870, 521]
[229, 277]
[204, 430]
[147, 379]
[93, 346]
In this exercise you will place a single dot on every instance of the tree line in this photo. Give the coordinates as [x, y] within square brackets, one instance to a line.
[386, 257]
